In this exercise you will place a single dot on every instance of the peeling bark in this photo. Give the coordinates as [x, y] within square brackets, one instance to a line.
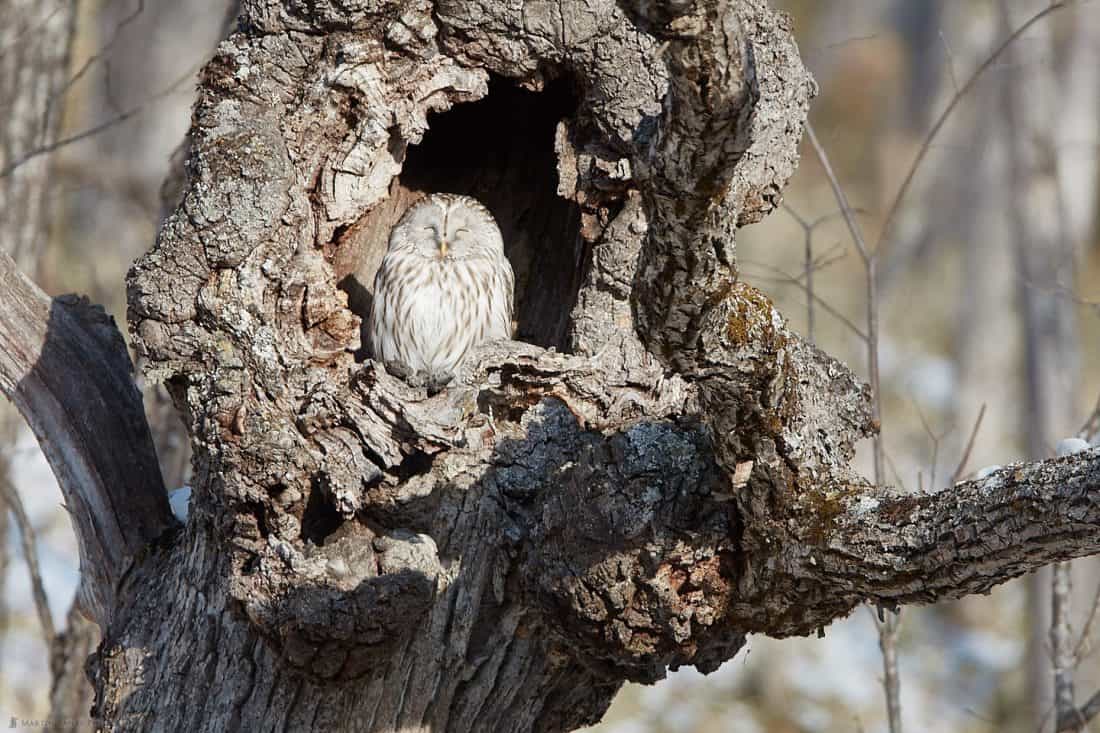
[662, 469]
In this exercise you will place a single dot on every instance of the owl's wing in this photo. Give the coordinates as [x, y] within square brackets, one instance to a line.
[381, 336]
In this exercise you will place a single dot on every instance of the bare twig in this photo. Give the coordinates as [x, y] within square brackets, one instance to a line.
[812, 225]
[29, 31]
[892, 212]
[91, 60]
[851, 40]
[950, 62]
[1061, 646]
[30, 555]
[808, 228]
[842, 199]
[1060, 290]
[96, 129]
[1084, 642]
[1091, 429]
[822, 261]
[808, 272]
[969, 447]
[870, 271]
[1079, 717]
[894, 470]
[888, 625]
[784, 277]
[935, 443]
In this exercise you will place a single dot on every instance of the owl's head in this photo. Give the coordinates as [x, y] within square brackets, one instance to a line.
[448, 227]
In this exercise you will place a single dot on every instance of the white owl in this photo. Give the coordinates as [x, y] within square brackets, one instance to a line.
[443, 287]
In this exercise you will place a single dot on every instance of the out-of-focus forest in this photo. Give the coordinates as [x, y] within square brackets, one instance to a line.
[988, 279]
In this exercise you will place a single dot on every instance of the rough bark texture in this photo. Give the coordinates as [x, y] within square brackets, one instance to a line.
[662, 468]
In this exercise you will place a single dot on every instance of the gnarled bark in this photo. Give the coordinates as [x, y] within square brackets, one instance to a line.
[660, 470]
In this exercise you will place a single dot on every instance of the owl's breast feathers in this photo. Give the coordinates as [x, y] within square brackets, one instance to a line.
[429, 312]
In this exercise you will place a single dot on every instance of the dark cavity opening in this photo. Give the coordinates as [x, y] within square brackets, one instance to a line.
[500, 150]
[320, 518]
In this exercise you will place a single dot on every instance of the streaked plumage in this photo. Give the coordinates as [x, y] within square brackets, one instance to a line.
[443, 287]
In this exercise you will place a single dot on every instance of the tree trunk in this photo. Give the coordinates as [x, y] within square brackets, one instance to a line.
[659, 471]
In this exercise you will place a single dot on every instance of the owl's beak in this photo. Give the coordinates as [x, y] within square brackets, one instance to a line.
[443, 248]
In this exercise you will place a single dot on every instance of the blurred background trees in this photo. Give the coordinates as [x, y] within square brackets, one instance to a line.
[116, 77]
[989, 280]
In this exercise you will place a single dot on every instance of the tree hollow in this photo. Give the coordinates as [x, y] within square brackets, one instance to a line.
[499, 150]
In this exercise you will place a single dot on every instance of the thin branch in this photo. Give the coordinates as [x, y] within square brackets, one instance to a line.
[935, 443]
[870, 261]
[1081, 716]
[1091, 429]
[810, 265]
[784, 277]
[91, 60]
[30, 554]
[888, 627]
[1062, 660]
[969, 447]
[892, 212]
[808, 272]
[851, 40]
[1086, 632]
[894, 470]
[950, 61]
[1059, 290]
[822, 261]
[95, 130]
[812, 225]
[845, 208]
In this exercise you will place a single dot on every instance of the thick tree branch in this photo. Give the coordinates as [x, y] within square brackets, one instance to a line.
[852, 542]
[896, 548]
[65, 366]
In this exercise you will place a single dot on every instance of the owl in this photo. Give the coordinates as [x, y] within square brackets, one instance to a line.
[444, 286]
